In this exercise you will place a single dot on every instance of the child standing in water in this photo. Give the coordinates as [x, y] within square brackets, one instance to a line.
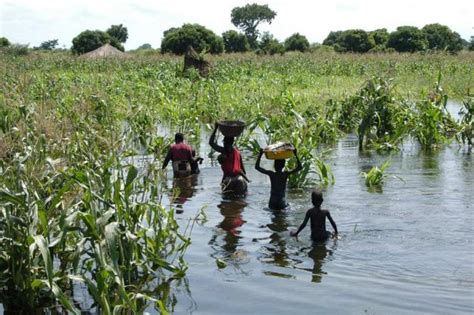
[278, 180]
[318, 219]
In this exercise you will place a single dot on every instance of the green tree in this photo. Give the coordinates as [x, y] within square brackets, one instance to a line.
[235, 41]
[378, 38]
[270, 45]
[90, 40]
[297, 42]
[119, 32]
[145, 46]
[407, 39]
[440, 37]
[49, 44]
[4, 42]
[176, 40]
[353, 41]
[248, 18]
[332, 38]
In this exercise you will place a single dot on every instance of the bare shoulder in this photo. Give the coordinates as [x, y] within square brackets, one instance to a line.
[325, 211]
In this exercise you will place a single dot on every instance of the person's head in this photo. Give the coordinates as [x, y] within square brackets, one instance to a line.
[317, 197]
[178, 137]
[228, 143]
[279, 165]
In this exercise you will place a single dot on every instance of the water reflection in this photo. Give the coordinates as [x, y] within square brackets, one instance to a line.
[231, 210]
[318, 254]
[183, 190]
[277, 247]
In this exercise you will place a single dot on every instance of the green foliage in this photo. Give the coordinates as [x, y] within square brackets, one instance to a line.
[248, 17]
[49, 44]
[407, 39]
[119, 32]
[91, 40]
[440, 37]
[332, 38]
[378, 40]
[376, 175]
[434, 125]
[177, 40]
[471, 44]
[296, 42]
[144, 46]
[17, 50]
[353, 41]
[235, 42]
[466, 130]
[270, 45]
[4, 42]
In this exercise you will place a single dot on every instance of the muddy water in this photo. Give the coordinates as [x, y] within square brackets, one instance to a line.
[406, 249]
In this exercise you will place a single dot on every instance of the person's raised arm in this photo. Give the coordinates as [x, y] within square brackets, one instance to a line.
[257, 164]
[302, 226]
[167, 159]
[299, 167]
[332, 223]
[212, 141]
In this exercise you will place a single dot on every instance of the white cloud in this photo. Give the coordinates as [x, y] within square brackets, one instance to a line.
[33, 21]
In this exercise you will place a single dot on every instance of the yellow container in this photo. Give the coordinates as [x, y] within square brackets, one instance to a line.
[278, 155]
[279, 151]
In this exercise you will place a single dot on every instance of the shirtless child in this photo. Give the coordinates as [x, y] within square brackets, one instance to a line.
[278, 180]
[318, 219]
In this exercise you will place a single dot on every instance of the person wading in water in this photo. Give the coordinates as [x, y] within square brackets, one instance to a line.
[181, 156]
[234, 181]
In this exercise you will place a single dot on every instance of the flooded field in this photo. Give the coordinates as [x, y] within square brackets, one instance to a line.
[406, 249]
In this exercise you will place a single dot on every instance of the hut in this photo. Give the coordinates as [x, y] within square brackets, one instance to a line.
[105, 51]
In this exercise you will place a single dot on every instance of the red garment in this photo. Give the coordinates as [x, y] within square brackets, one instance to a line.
[231, 164]
[181, 151]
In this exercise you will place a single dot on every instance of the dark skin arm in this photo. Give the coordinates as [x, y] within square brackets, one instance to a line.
[332, 223]
[167, 159]
[302, 226]
[213, 143]
[299, 167]
[257, 164]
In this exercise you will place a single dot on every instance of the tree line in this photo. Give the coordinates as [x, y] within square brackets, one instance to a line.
[432, 37]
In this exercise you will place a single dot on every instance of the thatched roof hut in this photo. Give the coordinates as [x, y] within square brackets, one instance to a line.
[104, 51]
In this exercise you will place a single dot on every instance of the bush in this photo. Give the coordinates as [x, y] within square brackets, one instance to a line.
[177, 40]
[296, 42]
[407, 39]
[235, 42]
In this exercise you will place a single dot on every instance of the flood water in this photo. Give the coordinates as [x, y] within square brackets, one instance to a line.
[406, 249]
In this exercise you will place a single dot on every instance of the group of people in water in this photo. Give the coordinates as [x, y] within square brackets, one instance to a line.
[234, 179]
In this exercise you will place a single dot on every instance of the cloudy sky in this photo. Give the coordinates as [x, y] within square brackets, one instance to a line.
[34, 21]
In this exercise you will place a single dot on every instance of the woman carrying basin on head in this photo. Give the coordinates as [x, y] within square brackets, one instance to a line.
[234, 179]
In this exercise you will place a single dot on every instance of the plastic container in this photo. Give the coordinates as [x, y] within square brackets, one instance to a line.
[279, 151]
[231, 128]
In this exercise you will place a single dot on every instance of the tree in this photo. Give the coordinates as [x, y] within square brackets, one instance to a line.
[353, 41]
[235, 41]
[247, 18]
[270, 45]
[177, 40]
[440, 37]
[49, 44]
[332, 38]
[471, 44]
[297, 42]
[4, 42]
[119, 32]
[90, 40]
[407, 39]
[144, 46]
[378, 38]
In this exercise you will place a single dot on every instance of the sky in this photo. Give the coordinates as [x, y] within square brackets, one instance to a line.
[35, 21]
